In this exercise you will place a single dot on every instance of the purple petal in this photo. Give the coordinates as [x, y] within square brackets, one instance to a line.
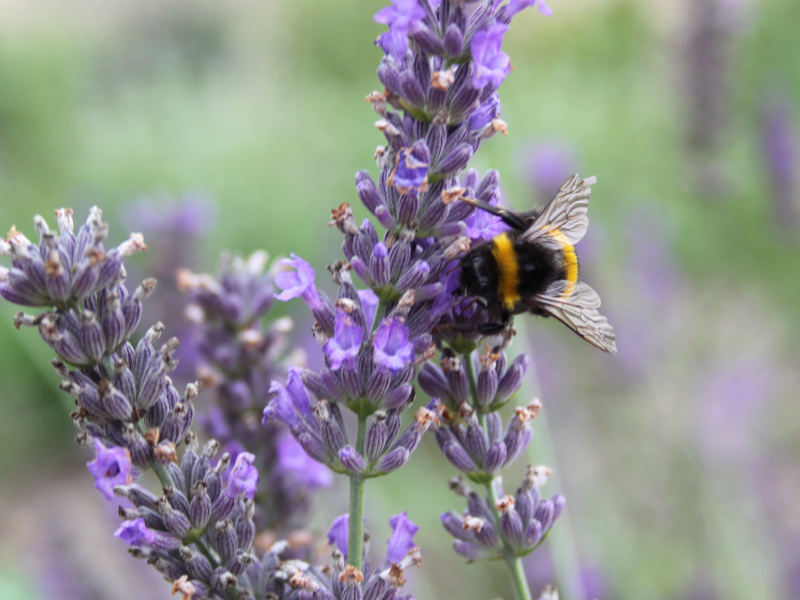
[243, 477]
[294, 460]
[111, 466]
[135, 533]
[339, 533]
[402, 538]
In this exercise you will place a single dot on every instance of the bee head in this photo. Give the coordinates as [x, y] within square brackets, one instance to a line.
[478, 275]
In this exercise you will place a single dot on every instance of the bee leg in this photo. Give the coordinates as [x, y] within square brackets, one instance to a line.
[491, 328]
[482, 328]
[495, 328]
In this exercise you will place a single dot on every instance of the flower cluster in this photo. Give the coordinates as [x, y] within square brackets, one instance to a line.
[200, 533]
[482, 451]
[241, 356]
[346, 582]
[497, 381]
[136, 407]
[441, 74]
[94, 312]
[321, 431]
[491, 527]
[127, 405]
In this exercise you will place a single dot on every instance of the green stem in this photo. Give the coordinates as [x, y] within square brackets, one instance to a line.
[356, 532]
[514, 563]
[160, 470]
[518, 578]
[473, 384]
[205, 551]
[379, 311]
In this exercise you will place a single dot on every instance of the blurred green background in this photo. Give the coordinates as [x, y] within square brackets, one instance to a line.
[680, 458]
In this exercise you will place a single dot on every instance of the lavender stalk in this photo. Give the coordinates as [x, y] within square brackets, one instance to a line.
[127, 408]
[442, 67]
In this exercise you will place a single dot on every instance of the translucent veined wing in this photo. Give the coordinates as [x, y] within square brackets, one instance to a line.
[563, 221]
[575, 305]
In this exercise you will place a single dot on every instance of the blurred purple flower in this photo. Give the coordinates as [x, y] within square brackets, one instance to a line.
[393, 351]
[780, 141]
[730, 399]
[189, 215]
[492, 65]
[546, 164]
[343, 348]
[294, 461]
[651, 258]
[515, 6]
[402, 538]
[111, 466]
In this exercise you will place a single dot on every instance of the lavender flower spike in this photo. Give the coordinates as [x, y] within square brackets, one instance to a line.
[112, 466]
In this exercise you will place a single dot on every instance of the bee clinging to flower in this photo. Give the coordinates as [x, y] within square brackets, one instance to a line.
[533, 268]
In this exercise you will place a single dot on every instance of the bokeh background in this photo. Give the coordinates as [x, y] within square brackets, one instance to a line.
[239, 125]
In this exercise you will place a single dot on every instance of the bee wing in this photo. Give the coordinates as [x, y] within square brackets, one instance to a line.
[578, 311]
[566, 212]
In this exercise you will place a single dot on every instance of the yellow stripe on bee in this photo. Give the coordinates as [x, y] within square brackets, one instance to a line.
[570, 261]
[508, 268]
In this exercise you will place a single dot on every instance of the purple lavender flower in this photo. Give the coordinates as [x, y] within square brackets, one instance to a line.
[339, 533]
[299, 283]
[290, 401]
[295, 462]
[343, 348]
[243, 477]
[392, 349]
[483, 225]
[111, 466]
[491, 64]
[402, 538]
[410, 175]
[135, 533]
[403, 18]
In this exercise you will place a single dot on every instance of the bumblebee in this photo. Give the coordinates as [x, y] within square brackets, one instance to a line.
[534, 267]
